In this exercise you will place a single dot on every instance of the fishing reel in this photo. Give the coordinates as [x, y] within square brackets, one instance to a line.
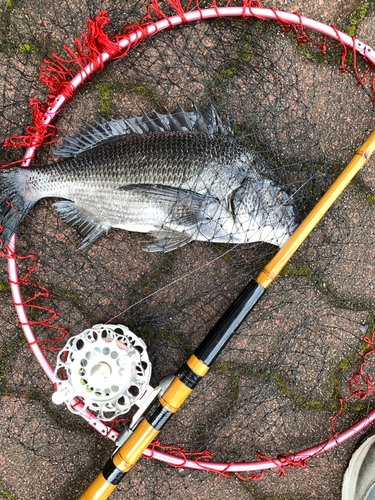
[103, 372]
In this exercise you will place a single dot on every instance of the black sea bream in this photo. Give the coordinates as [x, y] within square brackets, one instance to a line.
[178, 177]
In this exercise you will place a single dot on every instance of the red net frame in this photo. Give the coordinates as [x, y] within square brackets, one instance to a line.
[63, 77]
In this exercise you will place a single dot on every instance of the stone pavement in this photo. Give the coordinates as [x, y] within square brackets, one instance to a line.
[274, 388]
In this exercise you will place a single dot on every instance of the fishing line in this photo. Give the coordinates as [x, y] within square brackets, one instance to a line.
[201, 267]
[172, 283]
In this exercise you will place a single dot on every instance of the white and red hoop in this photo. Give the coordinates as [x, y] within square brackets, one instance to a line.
[131, 39]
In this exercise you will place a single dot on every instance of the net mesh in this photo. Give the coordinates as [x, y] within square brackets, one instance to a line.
[274, 389]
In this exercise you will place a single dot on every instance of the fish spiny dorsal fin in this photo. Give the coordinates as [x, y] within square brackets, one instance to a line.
[212, 120]
[161, 121]
[200, 123]
[183, 118]
[203, 119]
[150, 123]
[141, 126]
[131, 124]
[174, 124]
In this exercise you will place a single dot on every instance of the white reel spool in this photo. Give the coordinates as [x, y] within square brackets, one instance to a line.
[102, 372]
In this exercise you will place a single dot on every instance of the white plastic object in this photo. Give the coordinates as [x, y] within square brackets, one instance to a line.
[105, 368]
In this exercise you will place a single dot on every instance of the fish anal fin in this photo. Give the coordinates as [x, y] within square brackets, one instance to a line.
[88, 229]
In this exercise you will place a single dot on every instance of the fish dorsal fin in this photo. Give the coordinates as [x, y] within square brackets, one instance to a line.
[72, 215]
[202, 119]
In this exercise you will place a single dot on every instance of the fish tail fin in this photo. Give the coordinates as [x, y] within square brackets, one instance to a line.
[13, 206]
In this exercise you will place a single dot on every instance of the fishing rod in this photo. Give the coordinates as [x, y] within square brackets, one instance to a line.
[189, 375]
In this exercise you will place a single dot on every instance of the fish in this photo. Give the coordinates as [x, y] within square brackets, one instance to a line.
[178, 177]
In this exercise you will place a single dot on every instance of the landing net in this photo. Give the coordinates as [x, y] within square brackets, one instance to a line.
[275, 389]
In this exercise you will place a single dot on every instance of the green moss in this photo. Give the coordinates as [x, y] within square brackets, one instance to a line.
[370, 322]
[4, 287]
[235, 67]
[312, 53]
[8, 6]
[364, 189]
[222, 248]
[307, 49]
[6, 494]
[352, 359]
[26, 48]
[140, 90]
[249, 487]
[283, 383]
[149, 94]
[370, 199]
[343, 301]
[296, 270]
[106, 89]
[66, 295]
[355, 18]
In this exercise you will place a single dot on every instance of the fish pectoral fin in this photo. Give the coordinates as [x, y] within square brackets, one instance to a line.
[72, 215]
[185, 209]
[166, 241]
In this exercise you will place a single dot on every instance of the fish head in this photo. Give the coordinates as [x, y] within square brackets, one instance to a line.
[265, 212]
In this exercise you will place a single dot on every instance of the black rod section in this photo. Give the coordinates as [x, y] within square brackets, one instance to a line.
[220, 334]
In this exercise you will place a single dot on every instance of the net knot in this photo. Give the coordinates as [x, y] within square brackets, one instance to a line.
[250, 4]
[181, 453]
[284, 461]
[37, 134]
[65, 89]
[285, 26]
[290, 461]
[154, 6]
[356, 391]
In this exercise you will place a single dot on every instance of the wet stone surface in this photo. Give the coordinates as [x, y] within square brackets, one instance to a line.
[274, 388]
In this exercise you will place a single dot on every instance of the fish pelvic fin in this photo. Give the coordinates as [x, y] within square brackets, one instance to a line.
[13, 206]
[202, 119]
[75, 217]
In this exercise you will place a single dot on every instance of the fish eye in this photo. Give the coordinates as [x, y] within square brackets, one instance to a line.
[283, 198]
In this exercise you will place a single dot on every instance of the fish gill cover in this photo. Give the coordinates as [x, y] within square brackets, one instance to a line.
[274, 389]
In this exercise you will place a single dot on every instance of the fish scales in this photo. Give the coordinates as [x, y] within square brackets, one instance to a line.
[173, 159]
[178, 186]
